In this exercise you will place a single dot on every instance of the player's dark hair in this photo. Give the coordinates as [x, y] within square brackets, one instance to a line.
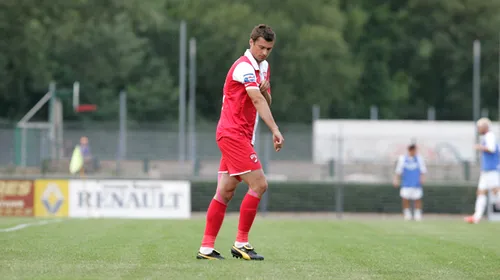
[412, 147]
[263, 31]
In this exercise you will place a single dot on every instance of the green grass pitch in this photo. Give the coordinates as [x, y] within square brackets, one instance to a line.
[293, 248]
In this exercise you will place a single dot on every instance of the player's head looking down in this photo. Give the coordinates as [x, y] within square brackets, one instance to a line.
[261, 42]
[483, 125]
[412, 150]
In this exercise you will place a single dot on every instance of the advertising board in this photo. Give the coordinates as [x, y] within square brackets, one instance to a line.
[130, 199]
[16, 198]
[51, 198]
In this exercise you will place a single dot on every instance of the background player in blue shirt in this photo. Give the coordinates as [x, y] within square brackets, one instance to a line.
[410, 171]
[488, 178]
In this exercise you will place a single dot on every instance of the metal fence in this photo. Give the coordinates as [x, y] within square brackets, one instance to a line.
[152, 150]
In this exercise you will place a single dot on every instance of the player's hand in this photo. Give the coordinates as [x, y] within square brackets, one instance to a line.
[278, 140]
[264, 86]
[478, 147]
[395, 183]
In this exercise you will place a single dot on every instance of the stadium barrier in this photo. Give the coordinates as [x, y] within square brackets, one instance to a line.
[178, 199]
[77, 198]
[323, 197]
[16, 198]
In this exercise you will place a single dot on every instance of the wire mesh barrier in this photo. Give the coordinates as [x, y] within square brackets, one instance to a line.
[339, 198]
[152, 151]
[329, 174]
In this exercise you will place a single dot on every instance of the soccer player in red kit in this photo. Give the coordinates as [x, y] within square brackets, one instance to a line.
[247, 95]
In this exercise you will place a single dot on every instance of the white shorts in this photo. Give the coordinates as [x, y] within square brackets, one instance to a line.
[411, 193]
[488, 180]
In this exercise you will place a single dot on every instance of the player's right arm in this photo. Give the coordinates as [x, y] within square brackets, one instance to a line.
[245, 74]
[265, 114]
[260, 103]
[399, 170]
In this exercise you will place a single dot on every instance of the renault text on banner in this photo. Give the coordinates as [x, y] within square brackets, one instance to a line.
[130, 199]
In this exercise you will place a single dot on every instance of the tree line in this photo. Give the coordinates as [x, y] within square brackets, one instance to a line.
[344, 55]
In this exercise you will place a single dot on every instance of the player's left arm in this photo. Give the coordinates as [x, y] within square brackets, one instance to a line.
[423, 169]
[490, 142]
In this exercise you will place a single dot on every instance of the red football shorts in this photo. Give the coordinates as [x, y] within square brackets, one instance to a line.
[238, 156]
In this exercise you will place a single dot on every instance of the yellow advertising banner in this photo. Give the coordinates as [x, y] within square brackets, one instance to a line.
[51, 198]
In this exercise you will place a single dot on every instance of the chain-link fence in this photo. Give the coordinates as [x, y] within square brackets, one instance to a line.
[152, 150]
[313, 173]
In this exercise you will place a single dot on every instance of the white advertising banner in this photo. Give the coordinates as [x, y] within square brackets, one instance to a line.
[140, 199]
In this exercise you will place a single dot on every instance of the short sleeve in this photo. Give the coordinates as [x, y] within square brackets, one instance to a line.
[490, 142]
[399, 165]
[245, 74]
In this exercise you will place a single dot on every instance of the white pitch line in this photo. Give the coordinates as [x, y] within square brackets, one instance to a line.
[21, 226]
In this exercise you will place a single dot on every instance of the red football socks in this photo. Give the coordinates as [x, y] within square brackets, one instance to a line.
[215, 215]
[248, 211]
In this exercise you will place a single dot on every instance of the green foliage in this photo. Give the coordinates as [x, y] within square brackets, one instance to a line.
[402, 56]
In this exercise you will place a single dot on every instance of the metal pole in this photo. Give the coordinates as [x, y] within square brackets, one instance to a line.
[266, 158]
[340, 186]
[374, 112]
[431, 114]
[476, 90]
[315, 117]
[52, 121]
[490, 210]
[124, 124]
[192, 100]
[485, 113]
[43, 146]
[23, 146]
[59, 131]
[122, 135]
[76, 95]
[315, 112]
[37, 107]
[256, 132]
[182, 93]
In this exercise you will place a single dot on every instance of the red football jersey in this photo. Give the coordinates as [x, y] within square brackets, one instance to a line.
[238, 114]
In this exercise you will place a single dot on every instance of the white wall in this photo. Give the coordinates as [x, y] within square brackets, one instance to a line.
[384, 140]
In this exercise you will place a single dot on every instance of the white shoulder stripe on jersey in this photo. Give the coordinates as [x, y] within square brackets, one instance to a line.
[241, 70]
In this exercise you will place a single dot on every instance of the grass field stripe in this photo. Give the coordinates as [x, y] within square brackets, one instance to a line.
[22, 226]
